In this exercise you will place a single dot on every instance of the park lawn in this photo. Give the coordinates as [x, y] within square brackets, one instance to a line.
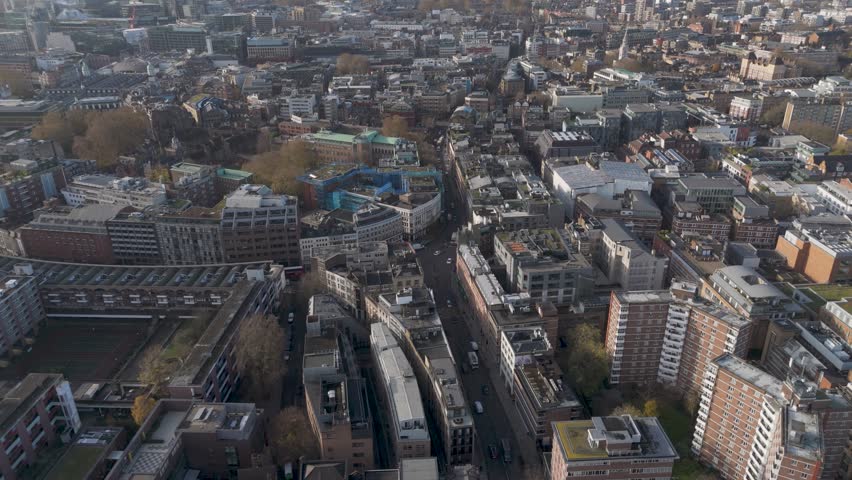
[678, 425]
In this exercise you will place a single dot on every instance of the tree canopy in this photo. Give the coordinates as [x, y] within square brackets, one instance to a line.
[61, 127]
[104, 136]
[259, 349]
[280, 169]
[348, 63]
[587, 365]
[18, 82]
[142, 407]
[815, 131]
[292, 436]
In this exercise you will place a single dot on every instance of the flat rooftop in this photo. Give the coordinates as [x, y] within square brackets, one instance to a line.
[83, 455]
[573, 437]
[80, 275]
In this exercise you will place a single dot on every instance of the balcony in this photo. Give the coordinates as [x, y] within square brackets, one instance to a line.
[37, 438]
[12, 446]
[33, 422]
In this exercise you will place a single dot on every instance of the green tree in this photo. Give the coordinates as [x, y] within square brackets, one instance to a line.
[110, 134]
[587, 364]
[61, 127]
[280, 169]
[259, 349]
[775, 115]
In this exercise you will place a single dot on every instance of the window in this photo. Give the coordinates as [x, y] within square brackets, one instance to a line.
[231, 456]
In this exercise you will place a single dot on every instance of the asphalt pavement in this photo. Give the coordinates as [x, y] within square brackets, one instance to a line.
[492, 424]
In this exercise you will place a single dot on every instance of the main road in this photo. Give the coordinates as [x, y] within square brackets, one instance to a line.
[437, 259]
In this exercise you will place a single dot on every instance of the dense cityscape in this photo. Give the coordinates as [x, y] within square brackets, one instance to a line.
[425, 239]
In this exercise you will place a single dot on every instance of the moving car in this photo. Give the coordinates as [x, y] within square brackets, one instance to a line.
[291, 317]
[492, 450]
[477, 405]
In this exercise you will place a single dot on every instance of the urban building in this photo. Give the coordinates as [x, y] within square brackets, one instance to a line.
[822, 255]
[38, 412]
[612, 448]
[747, 293]
[411, 316]
[106, 189]
[368, 147]
[336, 399]
[670, 337]
[25, 187]
[70, 234]
[270, 48]
[625, 260]
[635, 210]
[191, 237]
[21, 308]
[134, 240]
[182, 37]
[400, 389]
[746, 427]
[214, 439]
[539, 265]
[612, 179]
[258, 225]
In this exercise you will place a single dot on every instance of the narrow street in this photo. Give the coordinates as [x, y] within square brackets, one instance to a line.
[492, 424]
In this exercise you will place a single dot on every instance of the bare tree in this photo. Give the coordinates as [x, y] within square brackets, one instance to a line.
[153, 369]
[111, 134]
[292, 436]
[259, 348]
[61, 127]
[280, 169]
[627, 409]
[352, 64]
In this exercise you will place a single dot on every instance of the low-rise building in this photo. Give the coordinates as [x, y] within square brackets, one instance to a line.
[400, 389]
[70, 234]
[214, 439]
[105, 189]
[610, 447]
